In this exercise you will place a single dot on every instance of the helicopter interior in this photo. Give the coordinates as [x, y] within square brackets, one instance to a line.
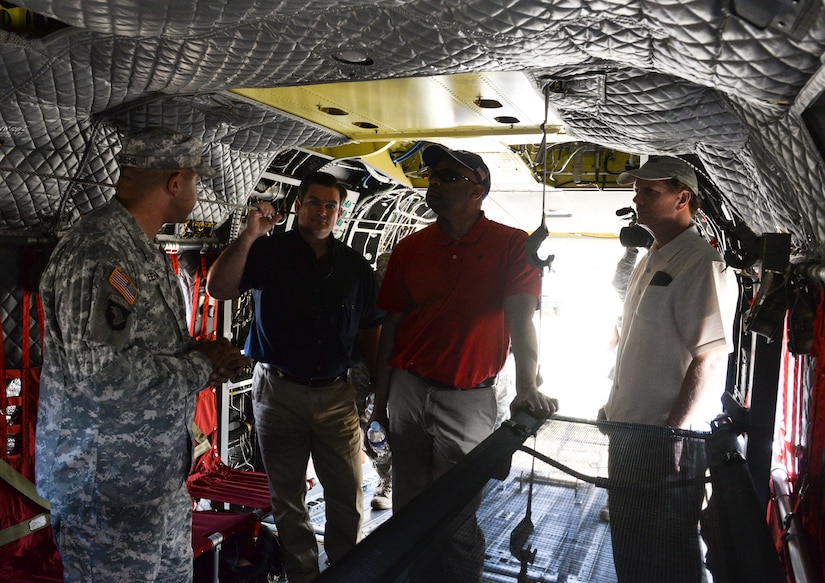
[558, 96]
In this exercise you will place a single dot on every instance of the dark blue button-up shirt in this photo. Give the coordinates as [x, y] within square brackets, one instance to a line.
[308, 311]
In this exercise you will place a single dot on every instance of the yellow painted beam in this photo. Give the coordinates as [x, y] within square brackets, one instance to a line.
[443, 106]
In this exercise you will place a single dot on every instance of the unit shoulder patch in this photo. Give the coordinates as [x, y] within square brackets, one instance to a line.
[116, 313]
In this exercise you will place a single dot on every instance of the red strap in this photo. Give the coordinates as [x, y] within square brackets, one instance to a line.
[812, 511]
[196, 292]
[209, 306]
[209, 311]
[173, 259]
[817, 425]
[41, 318]
[783, 402]
[800, 365]
[791, 413]
[26, 340]
[207, 302]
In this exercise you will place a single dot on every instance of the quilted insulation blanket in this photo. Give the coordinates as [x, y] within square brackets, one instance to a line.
[727, 81]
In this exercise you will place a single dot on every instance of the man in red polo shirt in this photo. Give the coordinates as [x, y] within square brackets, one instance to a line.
[459, 295]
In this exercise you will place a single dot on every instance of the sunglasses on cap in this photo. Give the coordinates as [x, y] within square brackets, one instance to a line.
[447, 176]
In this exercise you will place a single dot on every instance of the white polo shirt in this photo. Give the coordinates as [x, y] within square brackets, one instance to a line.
[681, 302]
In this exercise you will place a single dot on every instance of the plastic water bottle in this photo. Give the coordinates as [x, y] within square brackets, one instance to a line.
[377, 436]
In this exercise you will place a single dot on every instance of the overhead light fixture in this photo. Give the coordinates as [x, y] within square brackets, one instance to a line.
[487, 103]
[332, 110]
[365, 125]
[508, 119]
[352, 57]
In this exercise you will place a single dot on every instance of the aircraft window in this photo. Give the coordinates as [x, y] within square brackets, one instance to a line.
[488, 103]
[332, 110]
[508, 119]
[353, 58]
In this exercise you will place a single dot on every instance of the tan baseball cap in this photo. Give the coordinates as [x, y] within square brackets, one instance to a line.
[663, 168]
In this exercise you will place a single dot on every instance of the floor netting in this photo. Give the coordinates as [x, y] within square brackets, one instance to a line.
[571, 500]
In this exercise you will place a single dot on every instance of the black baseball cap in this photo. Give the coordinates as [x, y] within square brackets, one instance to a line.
[473, 162]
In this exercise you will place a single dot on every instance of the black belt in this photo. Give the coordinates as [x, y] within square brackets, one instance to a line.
[306, 382]
[485, 384]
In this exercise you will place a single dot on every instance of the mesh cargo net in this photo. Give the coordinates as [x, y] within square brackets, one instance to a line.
[579, 501]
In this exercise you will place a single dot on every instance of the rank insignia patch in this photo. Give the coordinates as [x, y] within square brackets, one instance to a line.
[121, 282]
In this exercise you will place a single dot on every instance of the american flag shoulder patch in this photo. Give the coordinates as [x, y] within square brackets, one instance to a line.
[121, 282]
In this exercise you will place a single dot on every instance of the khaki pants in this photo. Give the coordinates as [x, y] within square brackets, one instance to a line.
[294, 421]
[431, 429]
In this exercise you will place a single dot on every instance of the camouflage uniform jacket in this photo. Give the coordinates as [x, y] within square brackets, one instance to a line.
[119, 374]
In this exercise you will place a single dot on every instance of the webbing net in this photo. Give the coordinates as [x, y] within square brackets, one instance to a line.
[580, 501]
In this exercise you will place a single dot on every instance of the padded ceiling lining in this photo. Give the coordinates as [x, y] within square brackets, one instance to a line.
[678, 77]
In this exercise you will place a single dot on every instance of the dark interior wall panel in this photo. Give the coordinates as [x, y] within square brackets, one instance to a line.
[19, 277]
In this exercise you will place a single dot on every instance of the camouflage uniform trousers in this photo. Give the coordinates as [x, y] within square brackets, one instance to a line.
[150, 541]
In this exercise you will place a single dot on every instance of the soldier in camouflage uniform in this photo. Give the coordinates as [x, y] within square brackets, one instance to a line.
[120, 375]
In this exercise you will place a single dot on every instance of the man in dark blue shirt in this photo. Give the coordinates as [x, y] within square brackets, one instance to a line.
[315, 317]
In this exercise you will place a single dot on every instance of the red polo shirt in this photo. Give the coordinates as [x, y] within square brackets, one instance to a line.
[452, 293]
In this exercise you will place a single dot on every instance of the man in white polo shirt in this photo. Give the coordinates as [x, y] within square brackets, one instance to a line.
[670, 370]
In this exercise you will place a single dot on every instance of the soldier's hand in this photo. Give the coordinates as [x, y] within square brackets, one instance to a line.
[227, 360]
